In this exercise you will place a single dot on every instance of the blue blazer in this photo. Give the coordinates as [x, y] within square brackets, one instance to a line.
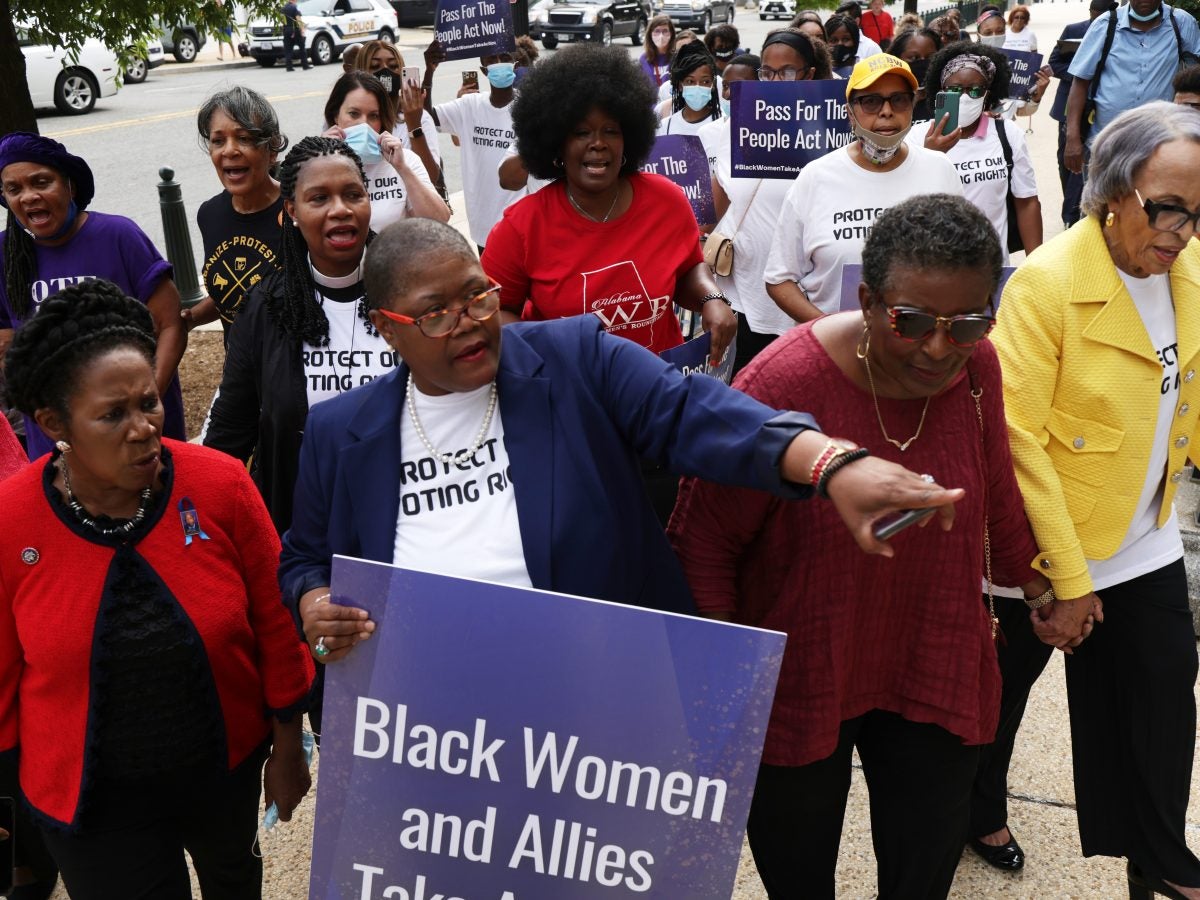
[579, 407]
[1060, 63]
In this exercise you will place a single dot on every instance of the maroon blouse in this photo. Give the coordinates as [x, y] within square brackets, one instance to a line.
[908, 635]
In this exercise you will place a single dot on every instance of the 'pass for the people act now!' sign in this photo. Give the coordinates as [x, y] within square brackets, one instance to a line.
[474, 28]
[498, 743]
[680, 157]
[1023, 68]
[778, 127]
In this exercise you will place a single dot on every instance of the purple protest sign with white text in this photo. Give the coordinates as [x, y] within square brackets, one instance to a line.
[498, 743]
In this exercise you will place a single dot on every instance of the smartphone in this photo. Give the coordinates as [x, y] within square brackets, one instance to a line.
[946, 102]
[890, 527]
[471, 79]
[412, 75]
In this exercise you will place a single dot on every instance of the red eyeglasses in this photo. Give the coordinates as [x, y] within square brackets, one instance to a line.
[440, 322]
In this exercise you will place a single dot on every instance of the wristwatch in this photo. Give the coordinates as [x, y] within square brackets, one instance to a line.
[716, 295]
[417, 132]
[1041, 600]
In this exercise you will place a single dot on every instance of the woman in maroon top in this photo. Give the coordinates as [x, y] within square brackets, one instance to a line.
[894, 657]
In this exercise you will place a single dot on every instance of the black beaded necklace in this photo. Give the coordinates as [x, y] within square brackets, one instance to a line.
[88, 522]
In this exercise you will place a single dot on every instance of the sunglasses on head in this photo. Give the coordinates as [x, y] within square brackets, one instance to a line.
[910, 324]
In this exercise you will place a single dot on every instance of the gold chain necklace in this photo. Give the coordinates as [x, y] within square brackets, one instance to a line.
[584, 212]
[878, 415]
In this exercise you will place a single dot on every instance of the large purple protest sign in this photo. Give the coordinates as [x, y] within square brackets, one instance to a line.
[473, 28]
[852, 278]
[681, 158]
[1023, 67]
[497, 743]
[778, 127]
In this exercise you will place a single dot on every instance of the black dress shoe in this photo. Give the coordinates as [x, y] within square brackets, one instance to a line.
[1006, 857]
[1144, 887]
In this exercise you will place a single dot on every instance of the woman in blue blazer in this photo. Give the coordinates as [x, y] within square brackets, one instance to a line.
[521, 465]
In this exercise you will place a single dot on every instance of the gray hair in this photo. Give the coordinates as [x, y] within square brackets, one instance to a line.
[400, 254]
[250, 109]
[1127, 144]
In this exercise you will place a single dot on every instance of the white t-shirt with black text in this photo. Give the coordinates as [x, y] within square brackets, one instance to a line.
[1024, 40]
[1147, 547]
[829, 210]
[754, 205]
[352, 356]
[979, 161]
[484, 133]
[389, 197]
[458, 518]
[677, 124]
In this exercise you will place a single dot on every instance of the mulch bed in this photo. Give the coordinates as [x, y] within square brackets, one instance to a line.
[200, 375]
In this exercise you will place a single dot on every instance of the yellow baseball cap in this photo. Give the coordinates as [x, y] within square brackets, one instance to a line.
[867, 71]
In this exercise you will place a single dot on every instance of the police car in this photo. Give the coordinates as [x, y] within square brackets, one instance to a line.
[329, 27]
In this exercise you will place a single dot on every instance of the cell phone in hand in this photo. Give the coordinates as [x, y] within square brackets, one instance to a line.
[893, 525]
[946, 102]
[412, 75]
[470, 78]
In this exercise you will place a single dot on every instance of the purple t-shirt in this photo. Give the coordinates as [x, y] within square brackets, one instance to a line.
[109, 247]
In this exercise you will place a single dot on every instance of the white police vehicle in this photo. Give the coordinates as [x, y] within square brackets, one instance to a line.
[329, 27]
[776, 9]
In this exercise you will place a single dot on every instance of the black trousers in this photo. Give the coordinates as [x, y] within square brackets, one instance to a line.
[131, 846]
[749, 344]
[293, 40]
[919, 780]
[1072, 184]
[1133, 726]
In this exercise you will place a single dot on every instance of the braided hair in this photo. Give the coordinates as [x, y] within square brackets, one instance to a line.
[296, 309]
[20, 266]
[688, 59]
[72, 328]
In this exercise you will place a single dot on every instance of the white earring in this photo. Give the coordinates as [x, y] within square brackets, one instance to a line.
[62, 446]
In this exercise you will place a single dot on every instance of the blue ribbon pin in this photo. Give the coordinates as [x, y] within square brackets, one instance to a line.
[190, 521]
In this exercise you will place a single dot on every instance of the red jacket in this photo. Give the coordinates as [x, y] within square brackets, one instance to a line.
[51, 581]
[878, 26]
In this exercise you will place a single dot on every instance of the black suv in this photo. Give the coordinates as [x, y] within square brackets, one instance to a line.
[590, 20]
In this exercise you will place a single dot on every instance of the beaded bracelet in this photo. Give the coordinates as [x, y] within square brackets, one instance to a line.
[828, 452]
[835, 465]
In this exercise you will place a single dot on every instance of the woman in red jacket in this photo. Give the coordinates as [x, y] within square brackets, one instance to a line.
[877, 24]
[147, 665]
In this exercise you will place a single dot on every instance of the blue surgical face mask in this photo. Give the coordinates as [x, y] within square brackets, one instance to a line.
[724, 107]
[697, 97]
[1137, 17]
[502, 75]
[363, 140]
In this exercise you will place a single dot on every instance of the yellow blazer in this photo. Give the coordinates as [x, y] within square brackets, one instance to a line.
[1081, 392]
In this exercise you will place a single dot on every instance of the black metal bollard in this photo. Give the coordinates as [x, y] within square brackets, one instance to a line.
[179, 240]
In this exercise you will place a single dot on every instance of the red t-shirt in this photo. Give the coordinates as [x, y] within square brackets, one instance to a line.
[623, 271]
[878, 26]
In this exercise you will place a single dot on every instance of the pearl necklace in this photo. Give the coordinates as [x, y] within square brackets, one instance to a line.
[584, 212]
[462, 455]
[878, 415]
[88, 522]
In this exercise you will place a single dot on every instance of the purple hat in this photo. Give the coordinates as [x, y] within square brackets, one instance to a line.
[24, 146]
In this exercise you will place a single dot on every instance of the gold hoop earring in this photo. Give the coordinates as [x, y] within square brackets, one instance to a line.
[1109, 219]
[864, 342]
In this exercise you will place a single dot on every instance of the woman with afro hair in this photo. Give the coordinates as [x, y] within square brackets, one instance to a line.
[603, 238]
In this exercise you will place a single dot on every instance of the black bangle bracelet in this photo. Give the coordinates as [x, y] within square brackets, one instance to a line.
[715, 296]
[835, 465]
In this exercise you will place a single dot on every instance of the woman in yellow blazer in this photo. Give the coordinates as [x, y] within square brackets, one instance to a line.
[1099, 340]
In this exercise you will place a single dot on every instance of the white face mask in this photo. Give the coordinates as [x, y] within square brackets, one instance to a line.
[992, 40]
[969, 110]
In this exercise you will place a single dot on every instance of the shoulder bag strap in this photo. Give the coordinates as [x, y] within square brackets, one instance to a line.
[746, 211]
[1002, 133]
[1109, 35]
[976, 393]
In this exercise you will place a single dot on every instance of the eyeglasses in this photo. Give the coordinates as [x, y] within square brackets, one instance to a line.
[787, 73]
[1168, 216]
[1020, 18]
[243, 141]
[975, 91]
[440, 322]
[914, 325]
[872, 104]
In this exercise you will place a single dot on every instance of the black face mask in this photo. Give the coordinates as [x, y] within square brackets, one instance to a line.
[842, 55]
[390, 81]
[723, 54]
[920, 68]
